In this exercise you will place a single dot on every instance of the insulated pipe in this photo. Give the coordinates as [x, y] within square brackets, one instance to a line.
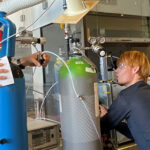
[12, 6]
[74, 7]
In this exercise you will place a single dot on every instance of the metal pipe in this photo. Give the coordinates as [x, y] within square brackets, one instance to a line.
[103, 66]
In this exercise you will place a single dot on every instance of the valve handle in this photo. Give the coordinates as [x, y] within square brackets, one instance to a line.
[41, 59]
[3, 141]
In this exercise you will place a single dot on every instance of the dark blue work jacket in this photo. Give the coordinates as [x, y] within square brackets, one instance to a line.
[133, 105]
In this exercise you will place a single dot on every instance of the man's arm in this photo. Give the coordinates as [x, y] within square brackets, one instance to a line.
[117, 112]
[33, 60]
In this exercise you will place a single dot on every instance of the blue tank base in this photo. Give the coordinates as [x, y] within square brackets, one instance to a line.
[13, 120]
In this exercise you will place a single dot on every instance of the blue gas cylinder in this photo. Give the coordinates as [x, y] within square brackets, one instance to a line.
[13, 124]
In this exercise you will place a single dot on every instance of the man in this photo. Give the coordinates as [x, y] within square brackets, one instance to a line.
[132, 103]
[31, 60]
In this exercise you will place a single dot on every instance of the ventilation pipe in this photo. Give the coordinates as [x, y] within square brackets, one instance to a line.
[12, 6]
[74, 7]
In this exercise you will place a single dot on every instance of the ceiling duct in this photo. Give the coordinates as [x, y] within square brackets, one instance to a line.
[12, 6]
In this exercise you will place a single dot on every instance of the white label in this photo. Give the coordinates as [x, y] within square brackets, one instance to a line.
[90, 70]
[60, 104]
[79, 63]
[6, 65]
[96, 100]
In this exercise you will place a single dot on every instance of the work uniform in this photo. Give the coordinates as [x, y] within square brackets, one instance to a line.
[133, 105]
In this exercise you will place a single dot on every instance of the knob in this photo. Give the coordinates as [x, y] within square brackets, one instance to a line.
[3, 141]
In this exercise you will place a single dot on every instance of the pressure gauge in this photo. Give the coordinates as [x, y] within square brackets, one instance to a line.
[102, 40]
[92, 40]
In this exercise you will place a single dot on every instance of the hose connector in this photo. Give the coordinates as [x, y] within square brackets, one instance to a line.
[81, 97]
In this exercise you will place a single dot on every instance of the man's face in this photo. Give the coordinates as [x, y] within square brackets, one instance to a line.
[125, 74]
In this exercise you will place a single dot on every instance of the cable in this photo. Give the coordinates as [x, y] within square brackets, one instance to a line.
[45, 98]
[34, 68]
[115, 57]
[28, 86]
[77, 95]
[35, 91]
[50, 120]
[91, 120]
[35, 47]
[112, 63]
[29, 25]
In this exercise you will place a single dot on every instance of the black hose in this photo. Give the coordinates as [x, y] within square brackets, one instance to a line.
[68, 48]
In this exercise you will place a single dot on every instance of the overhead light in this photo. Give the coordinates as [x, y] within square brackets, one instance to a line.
[76, 10]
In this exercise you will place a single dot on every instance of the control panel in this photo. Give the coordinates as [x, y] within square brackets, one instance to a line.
[43, 135]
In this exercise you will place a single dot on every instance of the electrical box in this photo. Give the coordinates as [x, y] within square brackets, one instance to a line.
[43, 135]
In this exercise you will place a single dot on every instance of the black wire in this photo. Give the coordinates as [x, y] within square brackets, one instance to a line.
[112, 63]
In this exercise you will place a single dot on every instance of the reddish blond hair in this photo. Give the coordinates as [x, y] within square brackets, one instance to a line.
[136, 58]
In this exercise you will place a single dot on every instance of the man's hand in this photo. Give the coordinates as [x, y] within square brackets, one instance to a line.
[32, 60]
[103, 110]
[46, 58]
